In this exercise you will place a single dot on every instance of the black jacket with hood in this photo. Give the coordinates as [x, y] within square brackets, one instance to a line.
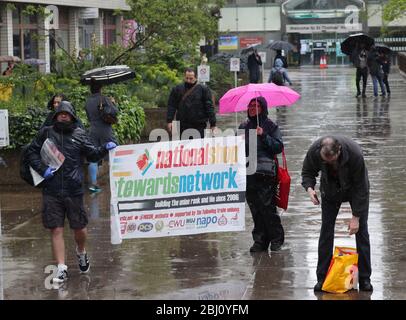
[270, 143]
[196, 109]
[50, 117]
[353, 183]
[73, 142]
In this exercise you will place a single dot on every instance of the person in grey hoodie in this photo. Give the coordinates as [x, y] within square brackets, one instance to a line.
[278, 74]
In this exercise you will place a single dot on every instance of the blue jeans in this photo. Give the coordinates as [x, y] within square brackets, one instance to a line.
[375, 80]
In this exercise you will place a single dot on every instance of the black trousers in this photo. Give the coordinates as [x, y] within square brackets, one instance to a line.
[260, 194]
[329, 211]
[386, 82]
[364, 74]
[198, 127]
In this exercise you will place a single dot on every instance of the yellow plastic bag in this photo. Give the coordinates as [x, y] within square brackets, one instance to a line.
[342, 274]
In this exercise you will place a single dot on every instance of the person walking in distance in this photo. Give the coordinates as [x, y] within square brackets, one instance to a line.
[100, 131]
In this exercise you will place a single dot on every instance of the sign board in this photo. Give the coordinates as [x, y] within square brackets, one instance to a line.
[203, 73]
[4, 135]
[262, 54]
[247, 42]
[235, 64]
[89, 13]
[228, 43]
[52, 17]
[177, 188]
[320, 28]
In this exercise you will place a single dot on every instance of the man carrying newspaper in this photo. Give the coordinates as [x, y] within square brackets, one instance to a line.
[57, 155]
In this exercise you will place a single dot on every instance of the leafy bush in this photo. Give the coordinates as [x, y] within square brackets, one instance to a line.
[221, 79]
[24, 126]
[131, 121]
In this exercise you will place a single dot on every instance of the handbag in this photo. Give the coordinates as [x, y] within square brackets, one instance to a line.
[107, 112]
[283, 188]
[342, 273]
[266, 166]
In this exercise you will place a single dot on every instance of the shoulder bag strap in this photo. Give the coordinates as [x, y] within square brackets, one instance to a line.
[188, 92]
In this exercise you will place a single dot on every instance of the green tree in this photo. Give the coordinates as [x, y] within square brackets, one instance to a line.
[394, 9]
[168, 28]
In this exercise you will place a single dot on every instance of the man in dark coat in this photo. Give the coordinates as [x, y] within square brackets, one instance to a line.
[262, 185]
[359, 58]
[62, 189]
[100, 131]
[253, 63]
[375, 70]
[192, 104]
[344, 177]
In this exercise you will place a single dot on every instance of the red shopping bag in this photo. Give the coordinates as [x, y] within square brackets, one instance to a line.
[282, 193]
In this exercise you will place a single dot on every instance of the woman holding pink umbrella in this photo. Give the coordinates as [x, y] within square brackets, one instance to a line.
[262, 185]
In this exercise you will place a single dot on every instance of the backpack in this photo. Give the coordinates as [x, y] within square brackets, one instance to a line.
[277, 78]
[107, 112]
[25, 172]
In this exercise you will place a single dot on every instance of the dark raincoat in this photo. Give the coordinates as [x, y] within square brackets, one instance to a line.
[352, 184]
[74, 144]
[261, 188]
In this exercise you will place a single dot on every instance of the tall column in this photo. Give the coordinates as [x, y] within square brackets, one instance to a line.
[98, 28]
[73, 43]
[43, 46]
[6, 33]
[119, 30]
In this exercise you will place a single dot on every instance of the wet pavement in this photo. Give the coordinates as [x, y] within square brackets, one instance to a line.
[219, 266]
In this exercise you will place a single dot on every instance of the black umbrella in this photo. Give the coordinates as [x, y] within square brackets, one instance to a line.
[349, 44]
[251, 47]
[280, 45]
[108, 75]
[383, 48]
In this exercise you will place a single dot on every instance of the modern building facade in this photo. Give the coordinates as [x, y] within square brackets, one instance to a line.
[314, 27]
[73, 25]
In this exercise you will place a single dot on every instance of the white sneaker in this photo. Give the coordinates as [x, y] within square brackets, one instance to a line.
[84, 264]
[61, 274]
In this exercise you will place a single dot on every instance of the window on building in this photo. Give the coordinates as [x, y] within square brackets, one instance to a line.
[86, 32]
[109, 28]
[25, 34]
[62, 34]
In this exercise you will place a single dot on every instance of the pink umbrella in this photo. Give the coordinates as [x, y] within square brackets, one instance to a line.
[237, 99]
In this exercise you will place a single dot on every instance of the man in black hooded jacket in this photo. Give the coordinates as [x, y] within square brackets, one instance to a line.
[262, 185]
[63, 189]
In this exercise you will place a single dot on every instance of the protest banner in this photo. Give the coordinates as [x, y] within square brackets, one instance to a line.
[177, 188]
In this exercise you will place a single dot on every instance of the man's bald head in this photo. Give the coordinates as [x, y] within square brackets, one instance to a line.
[330, 149]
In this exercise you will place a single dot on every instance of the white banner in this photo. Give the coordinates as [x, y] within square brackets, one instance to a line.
[177, 188]
[4, 135]
[319, 28]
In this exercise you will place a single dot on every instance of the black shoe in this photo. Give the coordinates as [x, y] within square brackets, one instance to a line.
[365, 285]
[276, 246]
[358, 94]
[364, 95]
[318, 286]
[256, 247]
